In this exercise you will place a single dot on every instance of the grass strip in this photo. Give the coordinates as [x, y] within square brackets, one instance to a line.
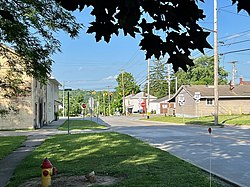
[81, 125]
[207, 120]
[115, 155]
[9, 144]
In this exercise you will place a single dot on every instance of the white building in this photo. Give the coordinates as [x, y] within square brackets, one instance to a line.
[52, 102]
[133, 102]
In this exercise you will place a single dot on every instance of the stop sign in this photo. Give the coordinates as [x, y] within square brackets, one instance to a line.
[83, 105]
[143, 104]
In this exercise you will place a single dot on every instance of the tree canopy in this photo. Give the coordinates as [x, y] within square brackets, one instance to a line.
[158, 79]
[27, 35]
[130, 87]
[202, 73]
[166, 26]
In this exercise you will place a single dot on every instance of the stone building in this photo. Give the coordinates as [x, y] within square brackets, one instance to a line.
[25, 103]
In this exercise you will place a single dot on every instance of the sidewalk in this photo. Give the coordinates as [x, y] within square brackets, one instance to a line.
[34, 139]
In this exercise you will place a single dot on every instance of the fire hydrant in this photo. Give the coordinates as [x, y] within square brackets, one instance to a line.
[47, 171]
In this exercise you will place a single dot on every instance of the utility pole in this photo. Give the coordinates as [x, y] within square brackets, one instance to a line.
[216, 90]
[104, 107]
[168, 81]
[148, 88]
[176, 84]
[63, 99]
[109, 99]
[123, 94]
[233, 73]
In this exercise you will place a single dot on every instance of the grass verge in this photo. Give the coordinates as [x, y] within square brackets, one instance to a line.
[115, 155]
[208, 120]
[81, 125]
[9, 144]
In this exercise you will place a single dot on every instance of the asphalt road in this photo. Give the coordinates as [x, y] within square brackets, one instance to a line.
[227, 148]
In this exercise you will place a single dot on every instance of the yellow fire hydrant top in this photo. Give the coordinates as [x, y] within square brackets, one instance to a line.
[47, 172]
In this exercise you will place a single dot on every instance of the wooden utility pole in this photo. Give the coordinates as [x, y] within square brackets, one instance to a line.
[123, 94]
[63, 99]
[216, 90]
[176, 84]
[169, 81]
[104, 107]
[109, 100]
[148, 88]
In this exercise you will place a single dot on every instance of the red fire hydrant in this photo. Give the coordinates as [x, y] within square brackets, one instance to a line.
[47, 171]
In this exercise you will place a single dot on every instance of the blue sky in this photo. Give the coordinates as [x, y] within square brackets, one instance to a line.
[88, 65]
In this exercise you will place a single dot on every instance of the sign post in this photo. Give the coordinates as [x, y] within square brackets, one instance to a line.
[181, 101]
[83, 110]
[197, 97]
[143, 105]
[91, 106]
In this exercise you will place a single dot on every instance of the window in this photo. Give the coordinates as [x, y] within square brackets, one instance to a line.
[209, 101]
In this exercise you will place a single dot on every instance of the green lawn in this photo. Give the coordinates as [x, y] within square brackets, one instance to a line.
[9, 144]
[209, 120]
[112, 154]
[81, 125]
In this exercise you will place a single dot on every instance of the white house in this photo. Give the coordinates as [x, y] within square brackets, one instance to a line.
[134, 102]
[162, 105]
[52, 102]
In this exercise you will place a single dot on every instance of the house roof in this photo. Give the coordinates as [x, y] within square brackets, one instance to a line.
[52, 79]
[207, 91]
[140, 95]
[166, 98]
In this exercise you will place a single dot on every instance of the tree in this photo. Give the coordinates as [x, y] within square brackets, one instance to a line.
[202, 73]
[130, 87]
[27, 35]
[176, 20]
[158, 79]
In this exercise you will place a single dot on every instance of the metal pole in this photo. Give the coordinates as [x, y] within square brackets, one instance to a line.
[98, 108]
[216, 91]
[68, 112]
[104, 114]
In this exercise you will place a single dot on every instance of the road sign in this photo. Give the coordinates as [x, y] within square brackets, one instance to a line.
[143, 104]
[181, 99]
[197, 97]
[91, 102]
[84, 105]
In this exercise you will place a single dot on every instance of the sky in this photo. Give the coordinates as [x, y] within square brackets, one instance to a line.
[88, 65]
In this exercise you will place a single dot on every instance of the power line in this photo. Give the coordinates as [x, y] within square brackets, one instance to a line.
[236, 35]
[236, 51]
[235, 13]
[242, 41]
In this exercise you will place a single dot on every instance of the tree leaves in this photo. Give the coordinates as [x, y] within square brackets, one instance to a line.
[202, 73]
[176, 20]
[28, 27]
[243, 5]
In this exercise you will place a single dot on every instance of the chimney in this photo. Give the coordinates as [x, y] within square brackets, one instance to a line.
[241, 80]
[231, 85]
[133, 93]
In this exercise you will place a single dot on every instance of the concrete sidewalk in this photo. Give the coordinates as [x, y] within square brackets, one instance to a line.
[34, 139]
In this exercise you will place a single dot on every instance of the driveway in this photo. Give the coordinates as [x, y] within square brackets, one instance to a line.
[227, 148]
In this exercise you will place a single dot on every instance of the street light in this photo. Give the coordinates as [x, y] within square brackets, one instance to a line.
[68, 106]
